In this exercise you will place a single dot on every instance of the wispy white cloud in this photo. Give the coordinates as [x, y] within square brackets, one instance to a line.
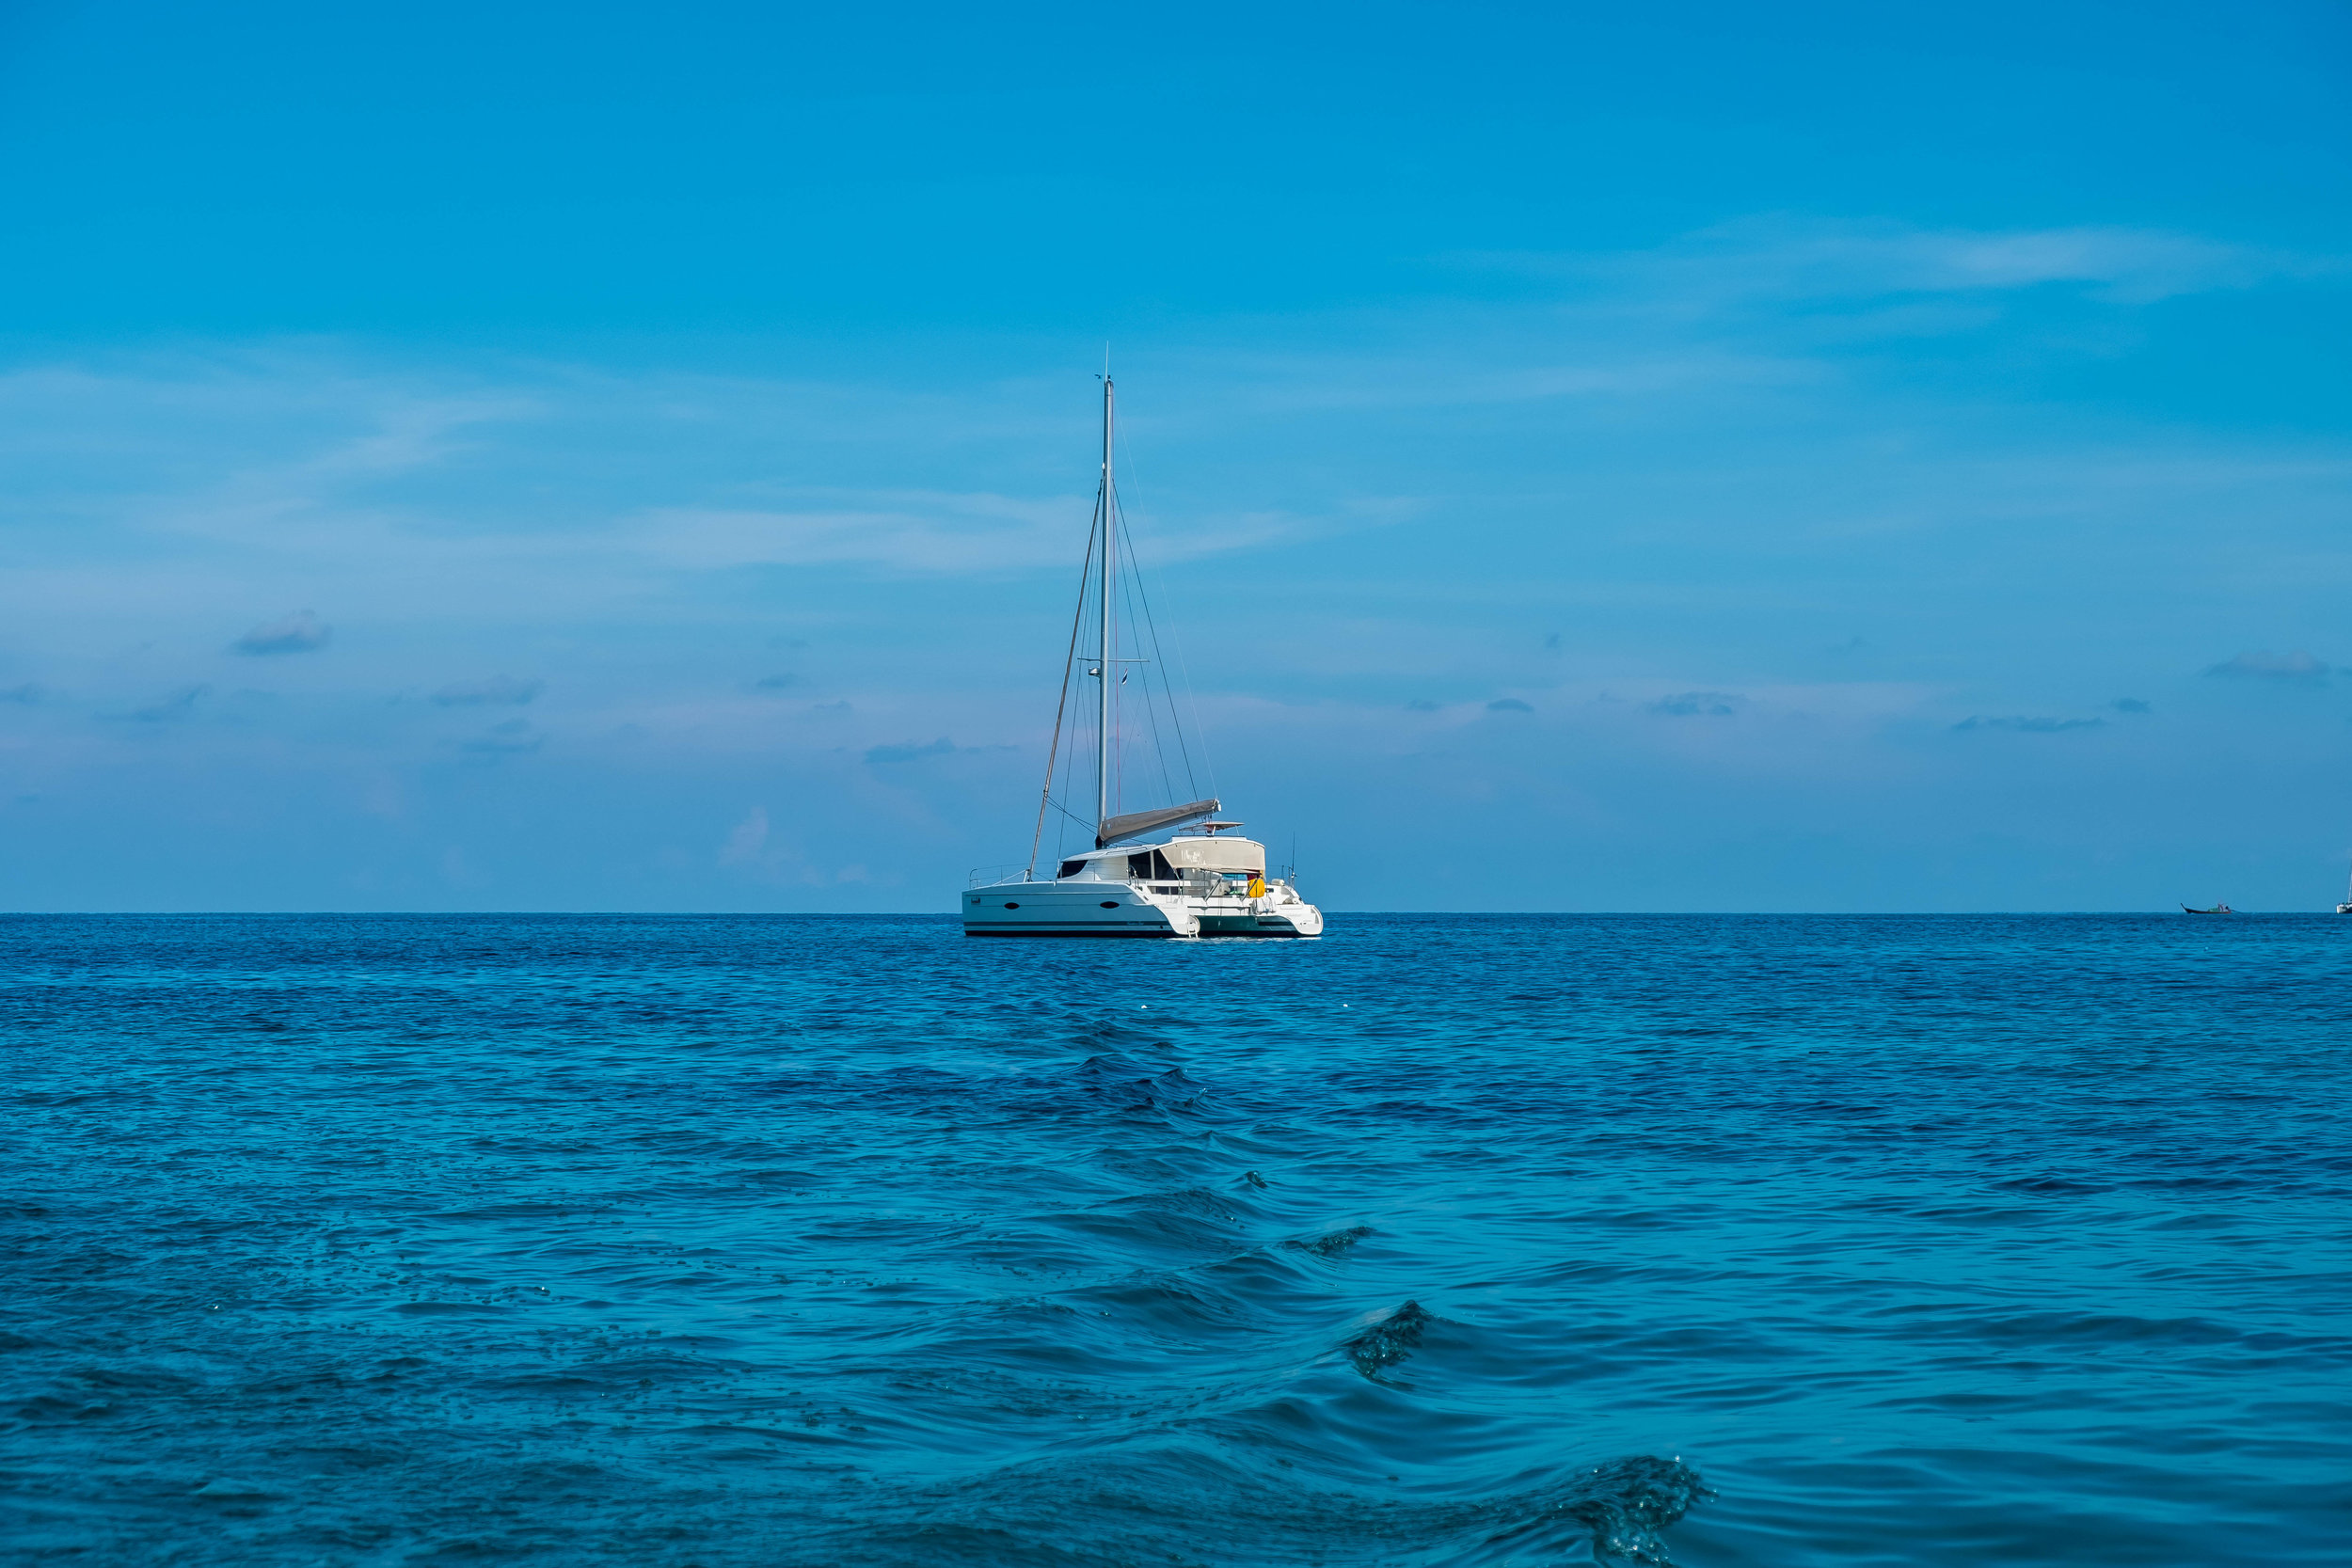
[925, 532]
[2296, 669]
[1381, 378]
[2030, 725]
[747, 841]
[1784, 258]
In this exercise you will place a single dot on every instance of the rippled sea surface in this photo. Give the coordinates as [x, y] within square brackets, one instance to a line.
[1443, 1239]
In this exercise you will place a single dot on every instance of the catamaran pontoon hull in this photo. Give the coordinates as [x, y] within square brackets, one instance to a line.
[1290, 920]
[1191, 885]
[1048, 910]
[1075, 910]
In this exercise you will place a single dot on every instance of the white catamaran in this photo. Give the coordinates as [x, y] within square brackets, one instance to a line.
[1202, 882]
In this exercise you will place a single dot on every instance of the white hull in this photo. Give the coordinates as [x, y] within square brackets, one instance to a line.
[1091, 908]
[1075, 909]
[1257, 917]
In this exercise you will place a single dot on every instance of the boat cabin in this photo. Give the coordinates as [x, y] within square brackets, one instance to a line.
[1205, 857]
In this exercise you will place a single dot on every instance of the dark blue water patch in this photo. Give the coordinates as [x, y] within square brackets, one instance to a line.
[1467, 1241]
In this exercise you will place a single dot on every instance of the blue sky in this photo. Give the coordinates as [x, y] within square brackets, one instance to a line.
[636, 458]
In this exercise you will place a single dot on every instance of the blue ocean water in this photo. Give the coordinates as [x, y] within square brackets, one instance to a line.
[1443, 1239]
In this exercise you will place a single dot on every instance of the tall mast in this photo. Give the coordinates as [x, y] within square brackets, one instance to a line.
[1102, 691]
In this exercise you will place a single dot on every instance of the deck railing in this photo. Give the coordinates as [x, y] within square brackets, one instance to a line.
[1016, 872]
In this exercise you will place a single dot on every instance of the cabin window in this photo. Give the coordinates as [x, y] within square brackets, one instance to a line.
[1150, 865]
[1071, 868]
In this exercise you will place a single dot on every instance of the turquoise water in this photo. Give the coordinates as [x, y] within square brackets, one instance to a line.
[1443, 1239]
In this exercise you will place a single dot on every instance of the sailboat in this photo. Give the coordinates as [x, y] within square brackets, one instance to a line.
[2345, 907]
[1198, 878]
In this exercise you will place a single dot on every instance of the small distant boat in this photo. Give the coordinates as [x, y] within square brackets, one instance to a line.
[2224, 908]
[2345, 907]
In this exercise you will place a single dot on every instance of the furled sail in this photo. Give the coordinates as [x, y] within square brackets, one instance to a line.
[1116, 828]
